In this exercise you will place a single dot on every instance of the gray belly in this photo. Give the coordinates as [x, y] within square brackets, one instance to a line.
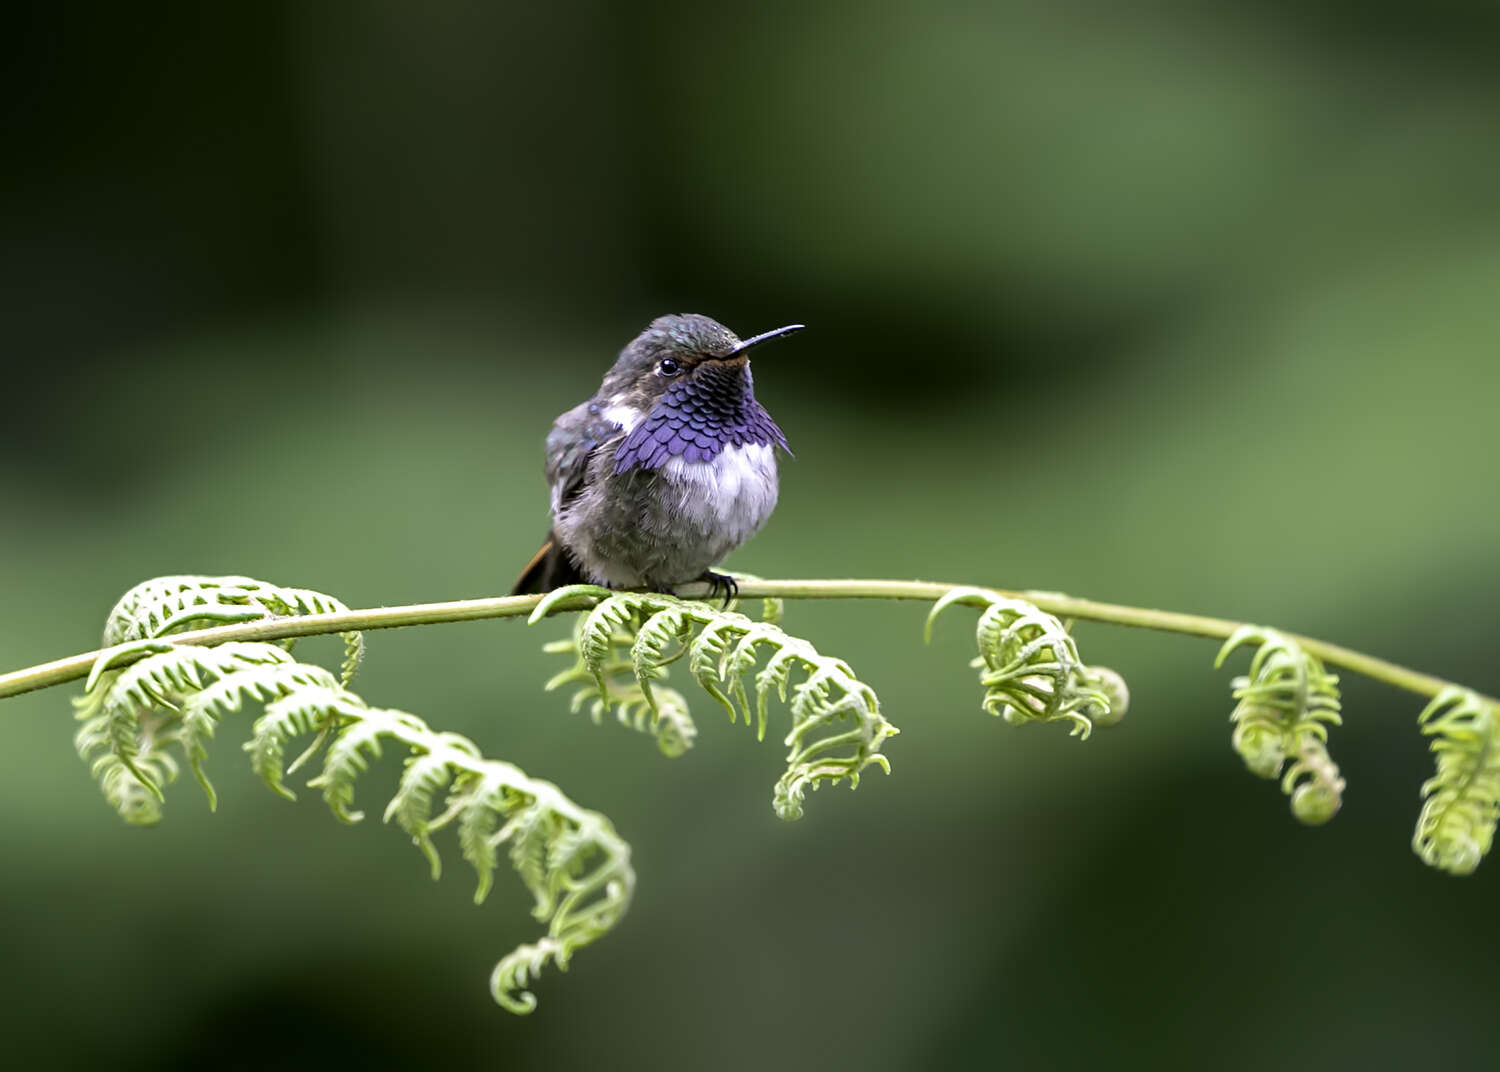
[666, 526]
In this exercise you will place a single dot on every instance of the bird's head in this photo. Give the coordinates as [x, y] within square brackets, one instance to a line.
[683, 348]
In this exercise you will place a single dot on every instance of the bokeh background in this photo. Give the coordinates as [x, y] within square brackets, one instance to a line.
[1190, 305]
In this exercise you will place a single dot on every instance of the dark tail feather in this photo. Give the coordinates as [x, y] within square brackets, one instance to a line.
[549, 568]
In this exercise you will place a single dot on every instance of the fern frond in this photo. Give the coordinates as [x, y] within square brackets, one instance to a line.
[1461, 801]
[201, 712]
[426, 774]
[1286, 703]
[610, 681]
[837, 728]
[347, 757]
[177, 697]
[146, 693]
[534, 835]
[1029, 664]
[604, 627]
[479, 805]
[136, 803]
[660, 641]
[671, 722]
[707, 659]
[576, 867]
[167, 605]
[306, 711]
[164, 604]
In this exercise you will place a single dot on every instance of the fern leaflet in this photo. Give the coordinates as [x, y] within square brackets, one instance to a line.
[1286, 704]
[166, 605]
[626, 643]
[1461, 801]
[1029, 665]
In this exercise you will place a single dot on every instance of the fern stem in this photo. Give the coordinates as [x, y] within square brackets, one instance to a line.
[61, 671]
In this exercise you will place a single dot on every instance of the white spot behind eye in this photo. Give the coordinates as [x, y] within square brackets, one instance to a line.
[627, 417]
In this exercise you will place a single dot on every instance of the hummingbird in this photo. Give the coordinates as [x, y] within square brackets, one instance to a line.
[670, 465]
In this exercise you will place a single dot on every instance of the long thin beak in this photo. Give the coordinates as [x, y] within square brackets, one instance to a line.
[765, 336]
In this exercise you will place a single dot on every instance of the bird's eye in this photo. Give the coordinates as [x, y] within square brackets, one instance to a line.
[668, 367]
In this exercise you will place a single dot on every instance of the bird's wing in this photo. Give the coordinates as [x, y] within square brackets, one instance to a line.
[573, 439]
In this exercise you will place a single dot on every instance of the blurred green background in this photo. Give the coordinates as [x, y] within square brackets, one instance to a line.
[1190, 305]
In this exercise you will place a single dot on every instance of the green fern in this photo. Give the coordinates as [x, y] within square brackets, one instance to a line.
[1461, 802]
[1286, 704]
[154, 700]
[609, 683]
[166, 605]
[1029, 665]
[625, 644]
[147, 695]
[624, 676]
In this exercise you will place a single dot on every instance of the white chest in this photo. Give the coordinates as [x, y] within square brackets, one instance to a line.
[731, 495]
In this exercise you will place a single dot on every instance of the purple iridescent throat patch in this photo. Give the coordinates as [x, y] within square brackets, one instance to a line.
[697, 418]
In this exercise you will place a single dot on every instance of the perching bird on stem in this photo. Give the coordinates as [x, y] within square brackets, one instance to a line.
[668, 468]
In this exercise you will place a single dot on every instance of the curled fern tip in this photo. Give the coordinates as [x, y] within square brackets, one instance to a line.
[1461, 801]
[1285, 705]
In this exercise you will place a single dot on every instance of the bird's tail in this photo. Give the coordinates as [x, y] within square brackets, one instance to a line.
[549, 568]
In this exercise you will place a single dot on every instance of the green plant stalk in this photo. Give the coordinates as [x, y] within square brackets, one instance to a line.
[61, 671]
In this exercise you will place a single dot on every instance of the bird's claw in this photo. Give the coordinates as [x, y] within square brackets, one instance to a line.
[721, 583]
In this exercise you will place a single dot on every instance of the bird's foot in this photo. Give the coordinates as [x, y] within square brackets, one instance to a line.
[721, 583]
